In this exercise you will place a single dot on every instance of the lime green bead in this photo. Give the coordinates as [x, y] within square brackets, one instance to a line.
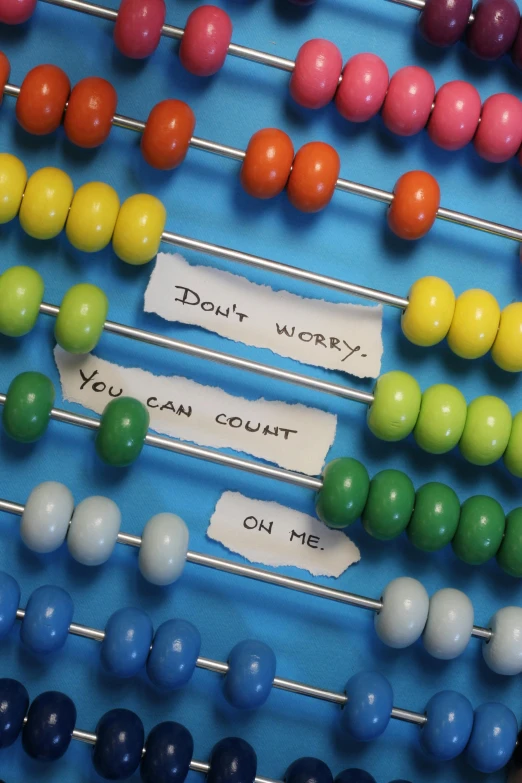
[435, 517]
[390, 504]
[441, 419]
[396, 405]
[513, 453]
[21, 294]
[123, 427]
[79, 325]
[344, 492]
[486, 432]
[481, 527]
[509, 556]
[28, 405]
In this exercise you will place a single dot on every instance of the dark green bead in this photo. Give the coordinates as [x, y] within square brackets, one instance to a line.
[30, 398]
[480, 530]
[344, 493]
[390, 504]
[509, 556]
[123, 427]
[435, 517]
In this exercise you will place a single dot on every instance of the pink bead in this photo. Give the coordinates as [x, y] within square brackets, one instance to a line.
[499, 134]
[363, 88]
[16, 11]
[409, 100]
[316, 74]
[137, 31]
[206, 40]
[455, 118]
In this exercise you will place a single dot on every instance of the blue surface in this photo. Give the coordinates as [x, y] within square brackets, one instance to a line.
[315, 641]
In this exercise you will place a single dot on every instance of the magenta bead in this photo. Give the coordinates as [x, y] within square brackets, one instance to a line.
[455, 118]
[363, 88]
[516, 49]
[499, 134]
[206, 40]
[16, 11]
[443, 22]
[137, 31]
[316, 74]
[495, 27]
[409, 100]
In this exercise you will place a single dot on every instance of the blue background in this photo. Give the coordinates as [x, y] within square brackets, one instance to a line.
[315, 641]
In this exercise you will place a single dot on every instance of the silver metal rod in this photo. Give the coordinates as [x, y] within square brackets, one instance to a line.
[418, 5]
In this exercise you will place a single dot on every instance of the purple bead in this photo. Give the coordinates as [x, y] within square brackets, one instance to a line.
[494, 29]
[443, 22]
[516, 51]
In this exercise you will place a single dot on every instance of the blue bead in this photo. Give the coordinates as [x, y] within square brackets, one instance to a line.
[128, 635]
[9, 602]
[119, 744]
[232, 761]
[175, 649]
[50, 724]
[354, 776]
[14, 701]
[493, 737]
[368, 710]
[450, 720]
[169, 749]
[308, 770]
[252, 666]
[48, 615]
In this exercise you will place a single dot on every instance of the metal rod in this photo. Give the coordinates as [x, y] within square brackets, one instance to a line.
[418, 5]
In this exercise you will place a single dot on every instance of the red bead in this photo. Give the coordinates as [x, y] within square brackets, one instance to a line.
[137, 31]
[267, 163]
[41, 102]
[499, 133]
[16, 11]
[91, 107]
[206, 39]
[167, 134]
[315, 78]
[313, 177]
[5, 71]
[416, 199]
[409, 100]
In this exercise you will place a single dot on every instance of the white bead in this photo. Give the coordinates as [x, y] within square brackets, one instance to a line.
[94, 529]
[46, 517]
[403, 616]
[503, 653]
[164, 545]
[450, 621]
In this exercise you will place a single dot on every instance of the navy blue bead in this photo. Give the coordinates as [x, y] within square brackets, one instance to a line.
[174, 653]
[9, 602]
[48, 615]
[119, 744]
[308, 770]
[368, 710]
[354, 776]
[128, 636]
[169, 749]
[493, 737]
[50, 724]
[14, 702]
[252, 666]
[232, 761]
[450, 720]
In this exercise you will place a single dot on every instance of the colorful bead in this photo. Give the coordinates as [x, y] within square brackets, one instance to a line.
[15, 703]
[435, 517]
[480, 530]
[48, 615]
[344, 493]
[94, 529]
[475, 324]
[21, 294]
[507, 348]
[168, 753]
[45, 206]
[442, 418]
[499, 134]
[516, 49]
[41, 101]
[389, 505]
[30, 398]
[509, 556]
[137, 31]
[5, 70]
[494, 28]
[46, 517]
[416, 199]
[82, 315]
[126, 645]
[313, 178]
[92, 217]
[443, 22]
[204, 46]
[90, 109]
[13, 178]
[450, 720]
[403, 616]
[315, 77]
[449, 625]
[163, 550]
[175, 650]
[308, 770]
[395, 408]
[363, 87]
[138, 230]
[50, 724]
[408, 101]
[493, 737]
[16, 11]
[354, 775]
[455, 117]
[232, 761]
[486, 432]
[168, 131]
[122, 431]
[119, 744]
[513, 453]
[367, 712]
[431, 304]
[251, 670]
[503, 652]
[267, 163]
[9, 603]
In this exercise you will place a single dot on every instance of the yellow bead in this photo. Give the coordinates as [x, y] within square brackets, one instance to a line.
[507, 348]
[139, 227]
[46, 203]
[475, 324]
[13, 177]
[513, 452]
[428, 316]
[92, 217]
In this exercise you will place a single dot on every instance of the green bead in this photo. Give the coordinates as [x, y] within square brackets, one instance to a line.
[481, 527]
[344, 492]
[28, 405]
[123, 427]
[486, 432]
[396, 405]
[435, 517]
[390, 504]
[509, 556]
[441, 419]
[21, 294]
[513, 453]
[80, 321]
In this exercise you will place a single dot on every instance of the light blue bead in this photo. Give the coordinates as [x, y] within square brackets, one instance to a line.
[368, 710]
[450, 720]
[252, 666]
[128, 635]
[175, 649]
[48, 615]
[9, 602]
[493, 737]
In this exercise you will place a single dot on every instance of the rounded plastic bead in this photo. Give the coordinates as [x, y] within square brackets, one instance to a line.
[48, 615]
[9, 602]
[443, 22]
[315, 78]
[204, 46]
[268, 160]
[344, 493]
[5, 70]
[15, 703]
[30, 398]
[16, 11]
[416, 199]
[455, 118]
[403, 616]
[475, 324]
[494, 29]
[354, 775]
[408, 101]
[94, 529]
[251, 669]
[41, 102]
[367, 712]
[513, 452]
[50, 724]
[509, 556]
[449, 725]
[480, 530]
[137, 31]
[163, 550]
[363, 87]
[46, 517]
[21, 294]
[389, 505]
[90, 109]
[169, 128]
[435, 517]
[119, 744]
[13, 178]
[138, 230]
[431, 304]
[503, 652]
[168, 753]
[45, 206]
[175, 649]
[313, 178]
[308, 770]
[395, 408]
[499, 134]
[128, 636]
[441, 420]
[507, 348]
[79, 324]
[232, 761]
[92, 217]
[487, 430]
[449, 626]
[123, 427]
[493, 737]
[516, 49]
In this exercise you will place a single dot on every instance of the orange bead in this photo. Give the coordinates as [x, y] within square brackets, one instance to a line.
[167, 134]
[415, 203]
[5, 72]
[91, 107]
[267, 163]
[313, 177]
[41, 102]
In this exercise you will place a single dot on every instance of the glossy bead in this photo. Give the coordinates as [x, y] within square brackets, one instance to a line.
[503, 652]
[403, 616]
[475, 324]
[21, 294]
[480, 530]
[408, 101]
[443, 22]
[442, 418]
[163, 550]
[16, 11]
[174, 653]
[308, 770]
[119, 744]
[367, 712]
[123, 427]
[509, 556]
[344, 493]
[94, 529]
[30, 398]
[79, 324]
[313, 178]
[232, 761]
[168, 130]
[137, 31]
[354, 775]
[513, 453]
[204, 46]
[50, 724]
[168, 753]
[507, 348]
[455, 118]
[46, 517]
[416, 199]
[13, 178]
[90, 109]
[449, 625]
[251, 669]
[499, 134]
[486, 432]
[128, 636]
[267, 163]
[48, 615]
[14, 701]
[494, 29]
[363, 87]
[5, 70]
[396, 405]
[493, 737]
[315, 77]
[45, 206]
[449, 725]
[431, 304]
[138, 230]
[435, 517]
[92, 217]
[516, 49]
[9, 602]
[41, 102]
[389, 505]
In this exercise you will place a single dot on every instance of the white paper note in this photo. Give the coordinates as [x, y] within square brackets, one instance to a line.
[344, 337]
[293, 436]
